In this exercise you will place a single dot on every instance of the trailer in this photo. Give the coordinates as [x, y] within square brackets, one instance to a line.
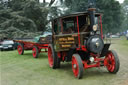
[36, 47]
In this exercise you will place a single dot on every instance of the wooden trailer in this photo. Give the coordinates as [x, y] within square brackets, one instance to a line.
[27, 44]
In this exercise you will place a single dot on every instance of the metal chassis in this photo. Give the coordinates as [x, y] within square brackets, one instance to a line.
[98, 61]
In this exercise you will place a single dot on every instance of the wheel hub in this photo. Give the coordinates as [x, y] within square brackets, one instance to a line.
[19, 49]
[74, 66]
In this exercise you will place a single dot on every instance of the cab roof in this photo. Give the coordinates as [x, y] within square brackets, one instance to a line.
[74, 15]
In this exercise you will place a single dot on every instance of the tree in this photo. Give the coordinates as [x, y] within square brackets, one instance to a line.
[112, 15]
[125, 11]
[32, 10]
[49, 4]
[32, 16]
[23, 15]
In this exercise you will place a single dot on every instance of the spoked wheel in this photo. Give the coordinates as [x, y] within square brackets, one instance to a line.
[20, 49]
[77, 66]
[52, 57]
[35, 52]
[112, 62]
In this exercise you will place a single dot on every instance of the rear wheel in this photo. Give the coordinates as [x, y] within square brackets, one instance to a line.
[35, 52]
[52, 57]
[112, 62]
[20, 49]
[77, 66]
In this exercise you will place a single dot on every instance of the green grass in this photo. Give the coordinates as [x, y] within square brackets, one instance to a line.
[25, 70]
[124, 43]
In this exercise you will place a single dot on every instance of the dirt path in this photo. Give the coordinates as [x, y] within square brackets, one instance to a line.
[122, 50]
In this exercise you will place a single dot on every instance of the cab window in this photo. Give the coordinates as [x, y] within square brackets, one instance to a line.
[56, 26]
[69, 25]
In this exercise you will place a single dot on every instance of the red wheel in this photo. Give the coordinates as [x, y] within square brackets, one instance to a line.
[52, 57]
[112, 62]
[20, 49]
[77, 66]
[35, 52]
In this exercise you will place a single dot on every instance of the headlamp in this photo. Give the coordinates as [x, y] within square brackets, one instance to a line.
[94, 27]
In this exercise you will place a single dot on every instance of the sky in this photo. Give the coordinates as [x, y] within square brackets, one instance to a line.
[121, 1]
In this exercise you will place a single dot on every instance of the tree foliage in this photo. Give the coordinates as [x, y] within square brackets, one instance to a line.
[125, 11]
[111, 10]
[23, 15]
[18, 18]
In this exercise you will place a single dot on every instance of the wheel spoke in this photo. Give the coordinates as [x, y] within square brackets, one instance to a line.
[34, 52]
[19, 49]
[75, 69]
[110, 62]
[77, 66]
[50, 57]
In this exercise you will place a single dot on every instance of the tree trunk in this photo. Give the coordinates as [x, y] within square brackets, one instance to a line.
[51, 2]
[43, 1]
[38, 1]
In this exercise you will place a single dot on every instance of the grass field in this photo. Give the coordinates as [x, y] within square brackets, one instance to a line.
[25, 70]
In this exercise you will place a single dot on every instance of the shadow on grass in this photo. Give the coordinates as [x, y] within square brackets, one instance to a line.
[29, 55]
[66, 67]
[43, 56]
[94, 72]
[88, 73]
[7, 50]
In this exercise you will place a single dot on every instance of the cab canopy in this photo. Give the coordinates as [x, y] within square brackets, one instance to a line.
[72, 22]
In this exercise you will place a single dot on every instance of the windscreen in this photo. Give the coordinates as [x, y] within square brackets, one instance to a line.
[69, 25]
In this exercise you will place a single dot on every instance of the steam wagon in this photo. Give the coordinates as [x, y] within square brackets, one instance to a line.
[78, 38]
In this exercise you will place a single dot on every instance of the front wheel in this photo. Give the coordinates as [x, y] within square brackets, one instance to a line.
[112, 62]
[77, 66]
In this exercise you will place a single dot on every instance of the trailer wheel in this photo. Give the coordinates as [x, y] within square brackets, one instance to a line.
[77, 66]
[112, 62]
[35, 52]
[52, 57]
[20, 49]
